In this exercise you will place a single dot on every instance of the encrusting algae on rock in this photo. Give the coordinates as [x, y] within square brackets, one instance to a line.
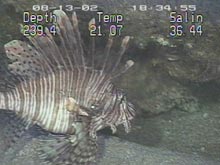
[59, 88]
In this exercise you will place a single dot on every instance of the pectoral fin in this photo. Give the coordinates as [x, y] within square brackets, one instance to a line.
[68, 149]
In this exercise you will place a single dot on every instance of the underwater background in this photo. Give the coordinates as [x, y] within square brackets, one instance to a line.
[174, 84]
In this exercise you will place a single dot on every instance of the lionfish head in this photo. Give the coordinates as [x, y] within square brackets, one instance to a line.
[116, 110]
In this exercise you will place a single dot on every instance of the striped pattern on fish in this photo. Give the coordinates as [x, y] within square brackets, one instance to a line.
[63, 92]
[43, 99]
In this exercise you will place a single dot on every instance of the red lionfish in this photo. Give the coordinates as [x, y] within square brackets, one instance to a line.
[63, 92]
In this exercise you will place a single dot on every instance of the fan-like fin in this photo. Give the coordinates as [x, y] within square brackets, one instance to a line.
[26, 60]
[92, 42]
[123, 69]
[46, 56]
[71, 43]
[121, 52]
[68, 149]
[49, 51]
[6, 79]
[107, 52]
[112, 65]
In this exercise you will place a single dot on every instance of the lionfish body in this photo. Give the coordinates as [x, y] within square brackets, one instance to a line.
[59, 91]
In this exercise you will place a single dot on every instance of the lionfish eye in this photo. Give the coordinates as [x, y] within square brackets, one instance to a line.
[93, 106]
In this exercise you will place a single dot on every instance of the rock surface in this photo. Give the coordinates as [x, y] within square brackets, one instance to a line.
[117, 152]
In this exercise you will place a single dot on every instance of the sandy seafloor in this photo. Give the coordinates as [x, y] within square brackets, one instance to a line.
[116, 152]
